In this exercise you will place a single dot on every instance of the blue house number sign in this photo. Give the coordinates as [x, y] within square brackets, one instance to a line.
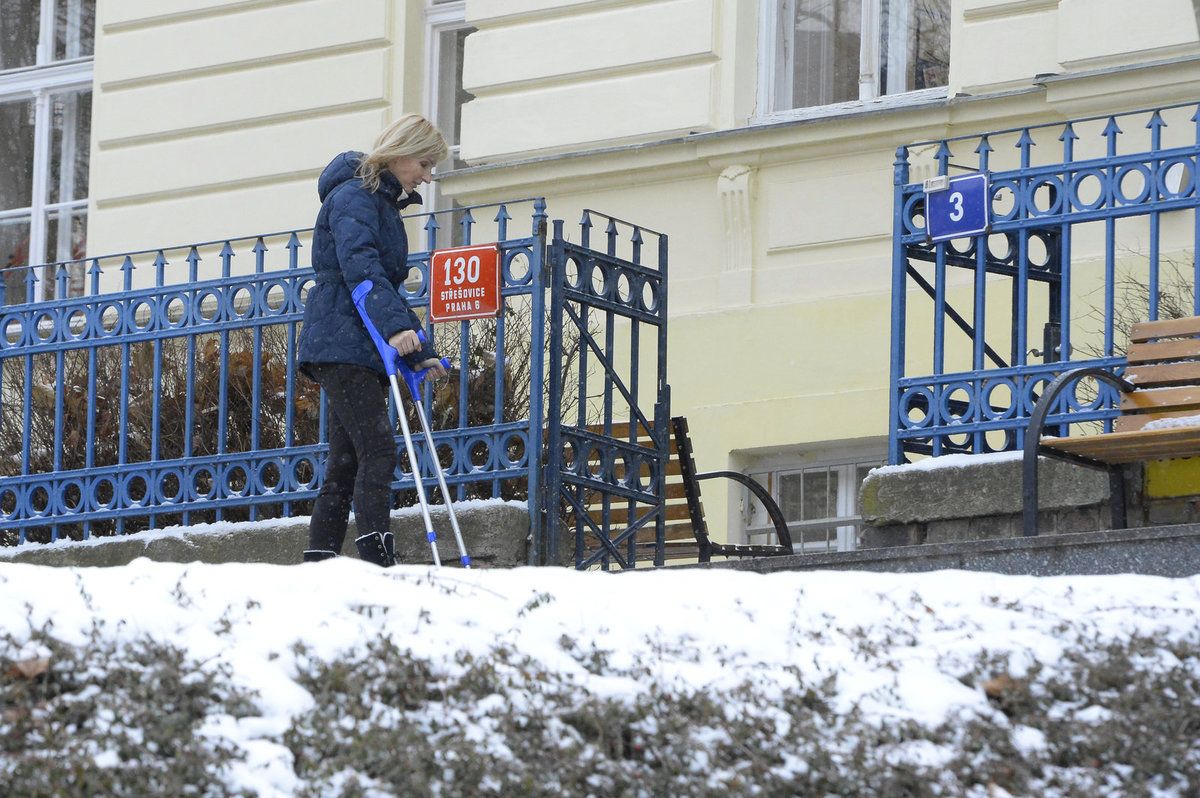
[959, 210]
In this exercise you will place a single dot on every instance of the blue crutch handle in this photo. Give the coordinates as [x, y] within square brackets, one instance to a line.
[392, 361]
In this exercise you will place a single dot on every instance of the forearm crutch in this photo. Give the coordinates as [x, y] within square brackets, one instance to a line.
[393, 362]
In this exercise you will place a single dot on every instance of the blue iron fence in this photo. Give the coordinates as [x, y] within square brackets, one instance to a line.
[179, 401]
[1095, 223]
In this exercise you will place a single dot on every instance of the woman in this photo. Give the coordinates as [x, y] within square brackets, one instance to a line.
[359, 236]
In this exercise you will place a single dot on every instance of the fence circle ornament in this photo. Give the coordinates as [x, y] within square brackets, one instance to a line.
[990, 388]
[1147, 183]
[1057, 195]
[1175, 178]
[1096, 176]
[908, 403]
[947, 396]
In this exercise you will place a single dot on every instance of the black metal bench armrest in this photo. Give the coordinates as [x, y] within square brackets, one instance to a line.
[773, 511]
[1037, 422]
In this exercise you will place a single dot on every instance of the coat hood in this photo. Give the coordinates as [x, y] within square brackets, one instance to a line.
[342, 168]
[339, 170]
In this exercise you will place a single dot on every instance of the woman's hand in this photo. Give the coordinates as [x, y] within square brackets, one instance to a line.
[405, 342]
[436, 369]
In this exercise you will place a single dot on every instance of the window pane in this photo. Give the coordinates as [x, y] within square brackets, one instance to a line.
[70, 137]
[820, 494]
[14, 244]
[18, 33]
[791, 489]
[825, 48]
[16, 154]
[66, 237]
[451, 96]
[74, 28]
[915, 46]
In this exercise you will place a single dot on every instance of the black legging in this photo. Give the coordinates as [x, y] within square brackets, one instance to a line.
[362, 456]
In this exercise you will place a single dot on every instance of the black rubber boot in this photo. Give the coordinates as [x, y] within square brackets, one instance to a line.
[377, 548]
[316, 555]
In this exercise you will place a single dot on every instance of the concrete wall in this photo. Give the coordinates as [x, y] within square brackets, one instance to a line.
[960, 498]
[495, 534]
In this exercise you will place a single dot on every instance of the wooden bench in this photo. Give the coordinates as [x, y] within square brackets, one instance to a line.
[686, 534]
[1161, 381]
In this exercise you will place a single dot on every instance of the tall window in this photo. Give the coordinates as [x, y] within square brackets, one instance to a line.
[45, 131]
[821, 52]
[818, 496]
[446, 35]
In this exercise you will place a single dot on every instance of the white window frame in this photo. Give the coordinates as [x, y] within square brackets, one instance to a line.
[772, 46]
[439, 18]
[40, 83]
[846, 525]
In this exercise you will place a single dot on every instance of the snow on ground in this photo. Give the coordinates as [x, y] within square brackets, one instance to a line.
[705, 627]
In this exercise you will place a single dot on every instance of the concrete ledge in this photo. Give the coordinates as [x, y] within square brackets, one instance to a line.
[495, 534]
[967, 486]
[1172, 551]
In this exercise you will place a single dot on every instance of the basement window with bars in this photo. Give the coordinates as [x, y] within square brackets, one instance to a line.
[819, 53]
[45, 131]
[819, 501]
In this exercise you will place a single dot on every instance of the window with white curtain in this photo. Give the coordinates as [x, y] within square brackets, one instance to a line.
[824, 52]
[446, 32]
[45, 131]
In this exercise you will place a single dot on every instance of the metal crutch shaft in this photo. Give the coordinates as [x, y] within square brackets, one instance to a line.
[441, 478]
[430, 535]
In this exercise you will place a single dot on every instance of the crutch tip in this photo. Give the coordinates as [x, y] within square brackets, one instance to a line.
[466, 561]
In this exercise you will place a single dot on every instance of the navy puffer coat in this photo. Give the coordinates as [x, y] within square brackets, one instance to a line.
[358, 236]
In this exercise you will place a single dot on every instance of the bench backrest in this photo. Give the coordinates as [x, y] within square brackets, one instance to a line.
[1164, 364]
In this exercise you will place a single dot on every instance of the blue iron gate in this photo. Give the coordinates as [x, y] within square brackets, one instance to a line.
[1095, 224]
[179, 402]
[608, 451]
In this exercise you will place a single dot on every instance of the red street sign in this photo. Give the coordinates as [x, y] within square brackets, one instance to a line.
[464, 283]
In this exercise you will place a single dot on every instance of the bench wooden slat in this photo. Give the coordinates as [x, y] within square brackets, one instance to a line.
[1132, 423]
[672, 469]
[1163, 375]
[1131, 447]
[1167, 328]
[1155, 351]
[680, 550]
[671, 531]
[618, 514]
[1161, 399]
[646, 444]
[620, 429]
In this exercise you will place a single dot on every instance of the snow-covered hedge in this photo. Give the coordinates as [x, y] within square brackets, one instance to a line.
[341, 680]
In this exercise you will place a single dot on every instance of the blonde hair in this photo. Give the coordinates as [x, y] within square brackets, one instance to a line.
[410, 136]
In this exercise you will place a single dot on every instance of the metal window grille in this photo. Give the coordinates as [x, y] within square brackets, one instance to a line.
[819, 502]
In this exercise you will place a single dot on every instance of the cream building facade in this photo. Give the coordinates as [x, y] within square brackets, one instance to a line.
[758, 134]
